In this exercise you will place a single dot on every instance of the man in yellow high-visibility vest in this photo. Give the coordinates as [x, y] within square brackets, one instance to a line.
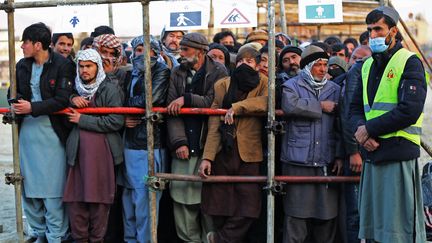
[387, 110]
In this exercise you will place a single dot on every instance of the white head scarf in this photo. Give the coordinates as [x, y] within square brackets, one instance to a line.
[88, 90]
[306, 74]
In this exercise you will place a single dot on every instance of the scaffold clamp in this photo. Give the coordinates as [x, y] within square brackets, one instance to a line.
[8, 118]
[156, 117]
[276, 188]
[156, 183]
[277, 127]
[7, 7]
[12, 178]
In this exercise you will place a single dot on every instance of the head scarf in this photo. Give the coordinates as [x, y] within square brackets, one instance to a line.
[306, 74]
[139, 40]
[109, 41]
[138, 66]
[88, 90]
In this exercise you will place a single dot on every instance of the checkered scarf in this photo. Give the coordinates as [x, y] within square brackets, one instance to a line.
[88, 90]
[109, 41]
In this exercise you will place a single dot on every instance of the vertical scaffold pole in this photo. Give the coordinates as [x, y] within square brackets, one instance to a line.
[283, 22]
[15, 143]
[271, 120]
[149, 106]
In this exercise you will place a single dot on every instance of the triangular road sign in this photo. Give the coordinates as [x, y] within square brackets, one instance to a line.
[235, 17]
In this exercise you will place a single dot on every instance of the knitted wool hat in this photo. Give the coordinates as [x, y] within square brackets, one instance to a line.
[195, 40]
[312, 53]
[257, 35]
[335, 60]
[286, 50]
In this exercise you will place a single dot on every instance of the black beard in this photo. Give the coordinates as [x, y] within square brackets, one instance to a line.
[87, 81]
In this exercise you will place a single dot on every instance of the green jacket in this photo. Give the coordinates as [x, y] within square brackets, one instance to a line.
[107, 95]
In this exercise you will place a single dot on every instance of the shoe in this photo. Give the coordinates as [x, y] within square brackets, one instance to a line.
[211, 237]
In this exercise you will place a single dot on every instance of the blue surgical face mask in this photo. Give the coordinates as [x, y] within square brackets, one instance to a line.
[378, 44]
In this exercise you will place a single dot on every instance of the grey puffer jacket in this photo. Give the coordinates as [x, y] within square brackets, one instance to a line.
[310, 137]
[108, 95]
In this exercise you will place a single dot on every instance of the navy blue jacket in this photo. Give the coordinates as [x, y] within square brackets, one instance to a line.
[411, 95]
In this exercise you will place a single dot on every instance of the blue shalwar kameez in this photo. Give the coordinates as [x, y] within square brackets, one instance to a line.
[43, 166]
[132, 176]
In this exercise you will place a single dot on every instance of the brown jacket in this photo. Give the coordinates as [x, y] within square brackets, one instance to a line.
[248, 128]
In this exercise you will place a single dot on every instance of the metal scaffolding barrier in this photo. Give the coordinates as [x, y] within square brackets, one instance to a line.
[152, 115]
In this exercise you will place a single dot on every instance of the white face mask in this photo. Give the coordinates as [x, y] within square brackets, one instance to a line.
[378, 44]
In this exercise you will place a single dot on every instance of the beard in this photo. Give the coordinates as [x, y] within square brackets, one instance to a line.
[293, 70]
[88, 79]
[187, 63]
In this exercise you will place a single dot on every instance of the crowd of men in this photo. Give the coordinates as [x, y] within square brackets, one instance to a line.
[350, 109]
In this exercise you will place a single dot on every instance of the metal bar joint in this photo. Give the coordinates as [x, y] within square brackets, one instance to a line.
[156, 117]
[7, 7]
[8, 118]
[12, 178]
[276, 188]
[156, 183]
[277, 127]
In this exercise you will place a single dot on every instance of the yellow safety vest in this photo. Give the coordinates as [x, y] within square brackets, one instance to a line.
[386, 97]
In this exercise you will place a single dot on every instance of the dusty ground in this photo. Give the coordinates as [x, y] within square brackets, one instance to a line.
[7, 207]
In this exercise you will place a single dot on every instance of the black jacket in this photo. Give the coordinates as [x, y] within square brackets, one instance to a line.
[411, 95]
[180, 130]
[136, 138]
[56, 85]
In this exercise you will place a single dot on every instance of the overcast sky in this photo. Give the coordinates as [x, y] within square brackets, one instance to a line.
[128, 18]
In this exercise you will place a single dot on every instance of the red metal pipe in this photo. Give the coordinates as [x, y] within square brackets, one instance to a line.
[260, 179]
[133, 110]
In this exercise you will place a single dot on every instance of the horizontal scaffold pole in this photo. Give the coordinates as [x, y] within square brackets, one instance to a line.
[42, 4]
[259, 179]
[141, 111]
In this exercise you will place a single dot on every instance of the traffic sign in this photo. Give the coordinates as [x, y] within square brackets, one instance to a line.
[235, 14]
[179, 15]
[320, 11]
[235, 17]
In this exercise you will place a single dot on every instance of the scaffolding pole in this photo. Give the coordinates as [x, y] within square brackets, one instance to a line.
[149, 122]
[11, 5]
[259, 179]
[283, 22]
[16, 178]
[271, 121]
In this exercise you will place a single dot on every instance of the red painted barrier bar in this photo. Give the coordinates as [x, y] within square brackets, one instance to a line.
[162, 110]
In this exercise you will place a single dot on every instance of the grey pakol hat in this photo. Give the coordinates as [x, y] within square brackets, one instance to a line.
[389, 12]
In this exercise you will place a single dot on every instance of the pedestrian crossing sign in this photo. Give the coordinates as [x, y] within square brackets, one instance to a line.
[235, 17]
[235, 14]
[178, 19]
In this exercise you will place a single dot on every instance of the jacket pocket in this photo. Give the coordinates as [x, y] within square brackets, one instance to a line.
[298, 150]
